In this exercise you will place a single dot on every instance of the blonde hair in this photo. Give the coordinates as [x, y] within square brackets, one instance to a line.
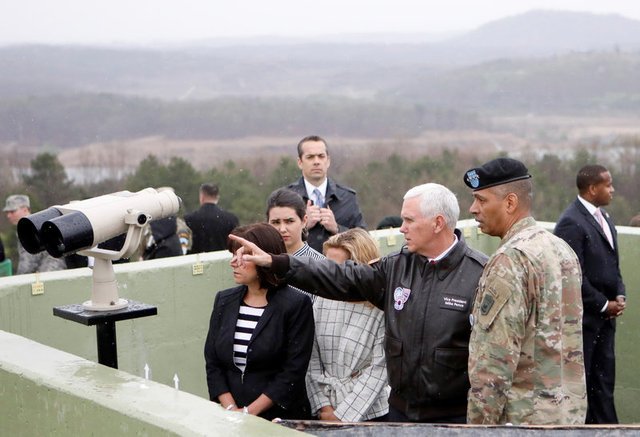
[357, 242]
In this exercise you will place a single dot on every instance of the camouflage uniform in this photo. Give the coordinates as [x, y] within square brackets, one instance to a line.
[525, 354]
[40, 262]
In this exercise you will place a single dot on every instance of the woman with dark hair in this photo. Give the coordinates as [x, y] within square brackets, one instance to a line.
[287, 212]
[260, 337]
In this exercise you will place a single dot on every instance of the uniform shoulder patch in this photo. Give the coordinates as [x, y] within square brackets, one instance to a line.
[493, 299]
[486, 304]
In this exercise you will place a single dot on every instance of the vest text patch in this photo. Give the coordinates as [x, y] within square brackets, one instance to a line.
[453, 302]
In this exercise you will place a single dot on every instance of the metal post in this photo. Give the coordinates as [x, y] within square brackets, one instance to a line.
[107, 346]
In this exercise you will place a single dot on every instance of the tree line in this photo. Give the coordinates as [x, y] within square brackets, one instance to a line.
[70, 120]
[380, 183]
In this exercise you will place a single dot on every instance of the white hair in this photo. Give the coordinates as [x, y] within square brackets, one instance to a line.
[436, 199]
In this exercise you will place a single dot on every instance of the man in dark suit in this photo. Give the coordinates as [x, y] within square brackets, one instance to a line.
[331, 207]
[210, 225]
[592, 235]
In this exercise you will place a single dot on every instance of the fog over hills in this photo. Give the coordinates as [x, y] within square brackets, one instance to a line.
[359, 66]
[540, 62]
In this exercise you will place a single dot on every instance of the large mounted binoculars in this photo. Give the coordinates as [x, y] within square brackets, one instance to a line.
[79, 226]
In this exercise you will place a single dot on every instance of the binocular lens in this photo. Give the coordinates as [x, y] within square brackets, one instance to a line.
[67, 234]
[29, 229]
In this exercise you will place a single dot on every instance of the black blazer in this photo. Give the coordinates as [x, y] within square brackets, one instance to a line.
[277, 357]
[601, 279]
[210, 226]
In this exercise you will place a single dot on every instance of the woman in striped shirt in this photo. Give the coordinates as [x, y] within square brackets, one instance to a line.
[260, 338]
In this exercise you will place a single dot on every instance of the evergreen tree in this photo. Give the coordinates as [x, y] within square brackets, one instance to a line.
[47, 184]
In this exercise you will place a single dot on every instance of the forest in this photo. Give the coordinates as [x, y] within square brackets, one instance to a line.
[380, 183]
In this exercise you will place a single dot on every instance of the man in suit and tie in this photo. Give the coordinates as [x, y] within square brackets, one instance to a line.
[331, 207]
[592, 235]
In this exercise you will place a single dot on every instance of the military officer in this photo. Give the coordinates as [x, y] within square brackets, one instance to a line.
[526, 363]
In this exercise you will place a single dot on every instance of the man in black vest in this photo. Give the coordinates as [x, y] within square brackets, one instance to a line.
[425, 290]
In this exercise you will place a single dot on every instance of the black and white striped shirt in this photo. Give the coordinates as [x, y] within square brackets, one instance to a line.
[247, 320]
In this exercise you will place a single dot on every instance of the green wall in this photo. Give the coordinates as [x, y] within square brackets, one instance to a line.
[172, 341]
[47, 392]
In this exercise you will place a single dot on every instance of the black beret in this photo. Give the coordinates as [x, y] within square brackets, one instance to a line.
[497, 172]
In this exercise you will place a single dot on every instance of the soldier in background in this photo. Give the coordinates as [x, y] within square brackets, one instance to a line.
[162, 240]
[526, 363]
[184, 234]
[16, 207]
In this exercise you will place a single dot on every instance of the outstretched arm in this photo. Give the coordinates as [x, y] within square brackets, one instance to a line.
[349, 282]
[250, 252]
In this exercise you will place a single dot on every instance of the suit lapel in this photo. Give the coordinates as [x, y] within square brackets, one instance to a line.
[332, 191]
[231, 310]
[264, 319]
[612, 228]
[592, 220]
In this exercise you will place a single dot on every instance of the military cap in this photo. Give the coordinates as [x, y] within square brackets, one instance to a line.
[16, 201]
[496, 172]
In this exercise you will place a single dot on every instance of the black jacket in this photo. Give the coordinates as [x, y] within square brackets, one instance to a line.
[601, 279]
[277, 357]
[601, 282]
[344, 205]
[427, 336]
[210, 227]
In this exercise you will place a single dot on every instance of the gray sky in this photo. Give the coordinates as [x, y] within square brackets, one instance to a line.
[144, 21]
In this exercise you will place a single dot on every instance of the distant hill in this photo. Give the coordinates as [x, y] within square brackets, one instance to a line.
[581, 83]
[354, 70]
[286, 68]
[549, 32]
[539, 62]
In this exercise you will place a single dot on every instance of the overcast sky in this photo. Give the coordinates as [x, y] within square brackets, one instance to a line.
[145, 21]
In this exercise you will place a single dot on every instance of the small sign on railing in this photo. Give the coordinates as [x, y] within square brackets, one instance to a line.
[197, 268]
[37, 287]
